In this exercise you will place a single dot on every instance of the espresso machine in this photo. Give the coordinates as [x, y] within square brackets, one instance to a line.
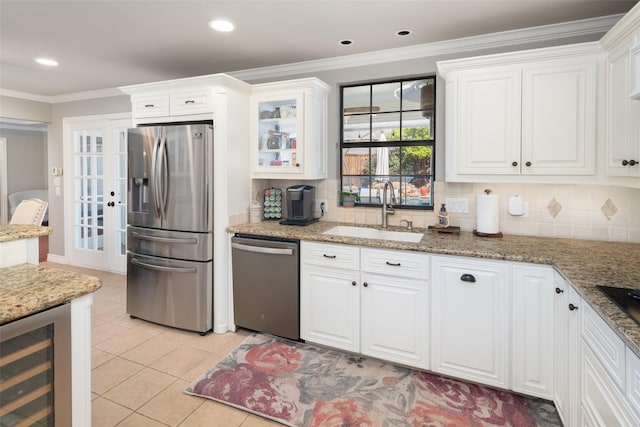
[300, 205]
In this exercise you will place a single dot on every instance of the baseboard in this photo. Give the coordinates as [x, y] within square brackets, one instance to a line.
[59, 259]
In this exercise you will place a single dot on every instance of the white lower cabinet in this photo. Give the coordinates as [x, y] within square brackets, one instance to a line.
[330, 295]
[509, 325]
[604, 375]
[531, 321]
[362, 307]
[470, 319]
[566, 334]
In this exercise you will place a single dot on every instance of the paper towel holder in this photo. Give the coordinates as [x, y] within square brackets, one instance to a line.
[487, 191]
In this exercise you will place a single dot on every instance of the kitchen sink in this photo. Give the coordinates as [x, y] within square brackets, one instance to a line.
[374, 233]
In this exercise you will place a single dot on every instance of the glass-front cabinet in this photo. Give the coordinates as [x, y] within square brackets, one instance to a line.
[288, 133]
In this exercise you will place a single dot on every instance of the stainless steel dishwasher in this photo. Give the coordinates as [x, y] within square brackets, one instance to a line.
[266, 285]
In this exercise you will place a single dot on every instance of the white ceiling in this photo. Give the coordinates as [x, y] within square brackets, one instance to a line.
[103, 44]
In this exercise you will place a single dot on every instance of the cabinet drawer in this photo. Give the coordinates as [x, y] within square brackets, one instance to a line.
[633, 381]
[191, 102]
[607, 347]
[395, 263]
[329, 255]
[151, 106]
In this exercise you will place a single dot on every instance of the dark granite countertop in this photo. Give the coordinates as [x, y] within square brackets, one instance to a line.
[26, 289]
[584, 263]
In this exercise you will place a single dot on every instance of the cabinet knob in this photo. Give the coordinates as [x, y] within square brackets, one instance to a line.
[625, 162]
[632, 162]
[365, 284]
[468, 278]
[514, 164]
[297, 165]
[353, 283]
[573, 307]
[559, 291]
[528, 164]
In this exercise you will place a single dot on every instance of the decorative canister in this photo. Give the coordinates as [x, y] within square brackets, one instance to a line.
[255, 213]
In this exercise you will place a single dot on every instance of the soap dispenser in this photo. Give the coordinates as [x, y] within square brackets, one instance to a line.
[443, 217]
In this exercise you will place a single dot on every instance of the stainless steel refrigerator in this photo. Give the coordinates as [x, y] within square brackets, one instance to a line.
[170, 220]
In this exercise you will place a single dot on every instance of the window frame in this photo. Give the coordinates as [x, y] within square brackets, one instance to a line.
[400, 144]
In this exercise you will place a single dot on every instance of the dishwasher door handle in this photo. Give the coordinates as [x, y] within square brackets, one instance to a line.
[261, 249]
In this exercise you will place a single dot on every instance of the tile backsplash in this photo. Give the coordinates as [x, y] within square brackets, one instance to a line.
[568, 211]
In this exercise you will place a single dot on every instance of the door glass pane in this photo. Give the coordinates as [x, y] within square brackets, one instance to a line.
[88, 189]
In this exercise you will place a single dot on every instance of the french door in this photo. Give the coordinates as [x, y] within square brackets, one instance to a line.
[96, 193]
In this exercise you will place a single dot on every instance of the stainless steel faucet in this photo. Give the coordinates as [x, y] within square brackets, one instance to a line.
[387, 209]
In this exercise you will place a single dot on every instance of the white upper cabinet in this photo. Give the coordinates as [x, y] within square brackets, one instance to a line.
[288, 129]
[181, 99]
[527, 116]
[622, 45]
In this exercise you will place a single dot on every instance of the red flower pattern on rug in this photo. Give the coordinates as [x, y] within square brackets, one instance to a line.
[299, 385]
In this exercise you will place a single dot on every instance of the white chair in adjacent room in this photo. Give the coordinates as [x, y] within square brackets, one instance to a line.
[30, 212]
[19, 196]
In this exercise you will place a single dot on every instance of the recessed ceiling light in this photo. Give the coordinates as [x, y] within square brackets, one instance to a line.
[346, 42]
[46, 61]
[403, 33]
[222, 25]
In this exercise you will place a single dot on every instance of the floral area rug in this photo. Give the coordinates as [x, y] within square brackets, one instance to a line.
[299, 384]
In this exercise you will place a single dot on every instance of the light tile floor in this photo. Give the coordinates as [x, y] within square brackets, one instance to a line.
[139, 369]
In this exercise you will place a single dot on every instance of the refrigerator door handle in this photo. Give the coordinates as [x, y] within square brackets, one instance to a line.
[192, 241]
[154, 177]
[164, 172]
[163, 268]
[262, 250]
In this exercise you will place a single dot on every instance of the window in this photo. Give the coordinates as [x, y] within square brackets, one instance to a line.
[387, 134]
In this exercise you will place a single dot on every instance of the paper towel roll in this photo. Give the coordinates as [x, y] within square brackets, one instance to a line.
[487, 214]
[516, 206]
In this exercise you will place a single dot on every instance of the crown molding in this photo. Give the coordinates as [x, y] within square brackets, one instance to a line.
[551, 32]
[599, 25]
[25, 95]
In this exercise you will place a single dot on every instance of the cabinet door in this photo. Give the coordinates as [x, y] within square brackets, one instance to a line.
[486, 117]
[532, 320]
[602, 402]
[470, 319]
[623, 124]
[566, 333]
[394, 320]
[330, 307]
[558, 118]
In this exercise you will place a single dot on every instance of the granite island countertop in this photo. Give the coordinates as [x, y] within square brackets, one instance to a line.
[19, 231]
[584, 263]
[26, 289]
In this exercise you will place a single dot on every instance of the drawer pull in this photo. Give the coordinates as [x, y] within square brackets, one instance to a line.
[468, 278]
[559, 291]
[328, 256]
[189, 101]
[573, 307]
[149, 105]
[393, 264]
